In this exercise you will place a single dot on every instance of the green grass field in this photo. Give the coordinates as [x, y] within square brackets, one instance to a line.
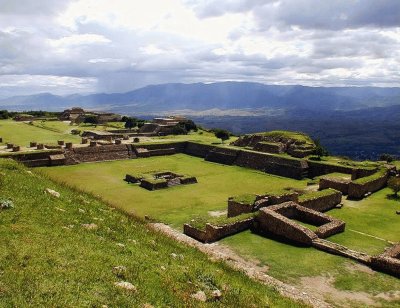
[48, 258]
[176, 205]
[21, 133]
[370, 223]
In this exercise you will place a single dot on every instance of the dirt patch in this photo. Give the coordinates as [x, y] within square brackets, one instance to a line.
[217, 213]
[322, 287]
[389, 296]
[358, 267]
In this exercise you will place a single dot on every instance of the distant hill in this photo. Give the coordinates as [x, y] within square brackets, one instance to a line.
[222, 95]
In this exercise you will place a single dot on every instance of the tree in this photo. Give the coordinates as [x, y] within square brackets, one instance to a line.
[4, 114]
[91, 119]
[386, 157]
[319, 149]
[394, 184]
[189, 125]
[179, 130]
[130, 123]
[222, 134]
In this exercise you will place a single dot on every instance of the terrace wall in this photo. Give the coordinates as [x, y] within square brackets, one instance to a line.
[99, 153]
[389, 261]
[358, 190]
[338, 184]
[323, 203]
[198, 149]
[222, 156]
[214, 233]
[282, 166]
[320, 168]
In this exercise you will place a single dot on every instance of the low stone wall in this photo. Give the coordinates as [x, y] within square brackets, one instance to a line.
[198, 149]
[57, 160]
[341, 250]
[188, 180]
[99, 153]
[214, 233]
[320, 168]
[358, 190]
[236, 208]
[277, 224]
[389, 261]
[282, 166]
[153, 185]
[341, 185]
[323, 203]
[269, 147]
[279, 220]
[34, 159]
[178, 146]
[222, 156]
[360, 173]
[162, 152]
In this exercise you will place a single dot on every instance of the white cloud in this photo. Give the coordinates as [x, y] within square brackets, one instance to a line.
[112, 46]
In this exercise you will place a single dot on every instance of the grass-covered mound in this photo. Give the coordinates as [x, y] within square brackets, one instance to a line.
[62, 251]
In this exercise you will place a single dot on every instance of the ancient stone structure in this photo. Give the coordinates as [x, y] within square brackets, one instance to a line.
[118, 141]
[222, 155]
[280, 220]
[339, 184]
[278, 143]
[9, 145]
[68, 145]
[40, 146]
[362, 186]
[389, 261]
[99, 153]
[160, 180]
[213, 233]
[57, 159]
[270, 147]
[32, 144]
[60, 142]
[321, 201]
[16, 148]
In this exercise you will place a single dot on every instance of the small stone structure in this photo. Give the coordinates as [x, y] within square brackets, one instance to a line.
[33, 144]
[40, 146]
[270, 147]
[57, 159]
[60, 142]
[339, 184]
[9, 145]
[68, 145]
[360, 187]
[93, 143]
[280, 220]
[213, 232]
[16, 148]
[160, 180]
[85, 140]
[389, 261]
[321, 201]
[118, 141]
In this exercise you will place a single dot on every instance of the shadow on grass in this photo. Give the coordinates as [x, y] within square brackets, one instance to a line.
[393, 197]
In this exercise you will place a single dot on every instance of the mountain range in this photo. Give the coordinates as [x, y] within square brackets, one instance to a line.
[222, 95]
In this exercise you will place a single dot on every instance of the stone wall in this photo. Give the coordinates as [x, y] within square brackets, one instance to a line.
[389, 261]
[358, 190]
[222, 156]
[198, 149]
[34, 159]
[99, 153]
[151, 185]
[341, 185]
[320, 168]
[279, 220]
[236, 208]
[323, 203]
[269, 147]
[360, 173]
[214, 233]
[282, 166]
[178, 146]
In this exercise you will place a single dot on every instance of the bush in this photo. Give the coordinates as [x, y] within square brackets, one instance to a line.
[222, 134]
[394, 184]
[386, 157]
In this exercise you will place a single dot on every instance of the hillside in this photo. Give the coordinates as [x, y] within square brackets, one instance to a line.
[72, 250]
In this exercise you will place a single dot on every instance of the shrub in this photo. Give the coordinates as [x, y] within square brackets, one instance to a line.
[394, 184]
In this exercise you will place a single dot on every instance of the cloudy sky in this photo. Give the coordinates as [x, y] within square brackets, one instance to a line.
[83, 46]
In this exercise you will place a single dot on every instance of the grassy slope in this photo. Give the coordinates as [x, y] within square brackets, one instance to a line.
[175, 205]
[21, 133]
[373, 216]
[48, 259]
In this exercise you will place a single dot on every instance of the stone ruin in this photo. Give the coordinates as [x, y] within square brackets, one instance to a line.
[389, 261]
[160, 180]
[281, 220]
[277, 144]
